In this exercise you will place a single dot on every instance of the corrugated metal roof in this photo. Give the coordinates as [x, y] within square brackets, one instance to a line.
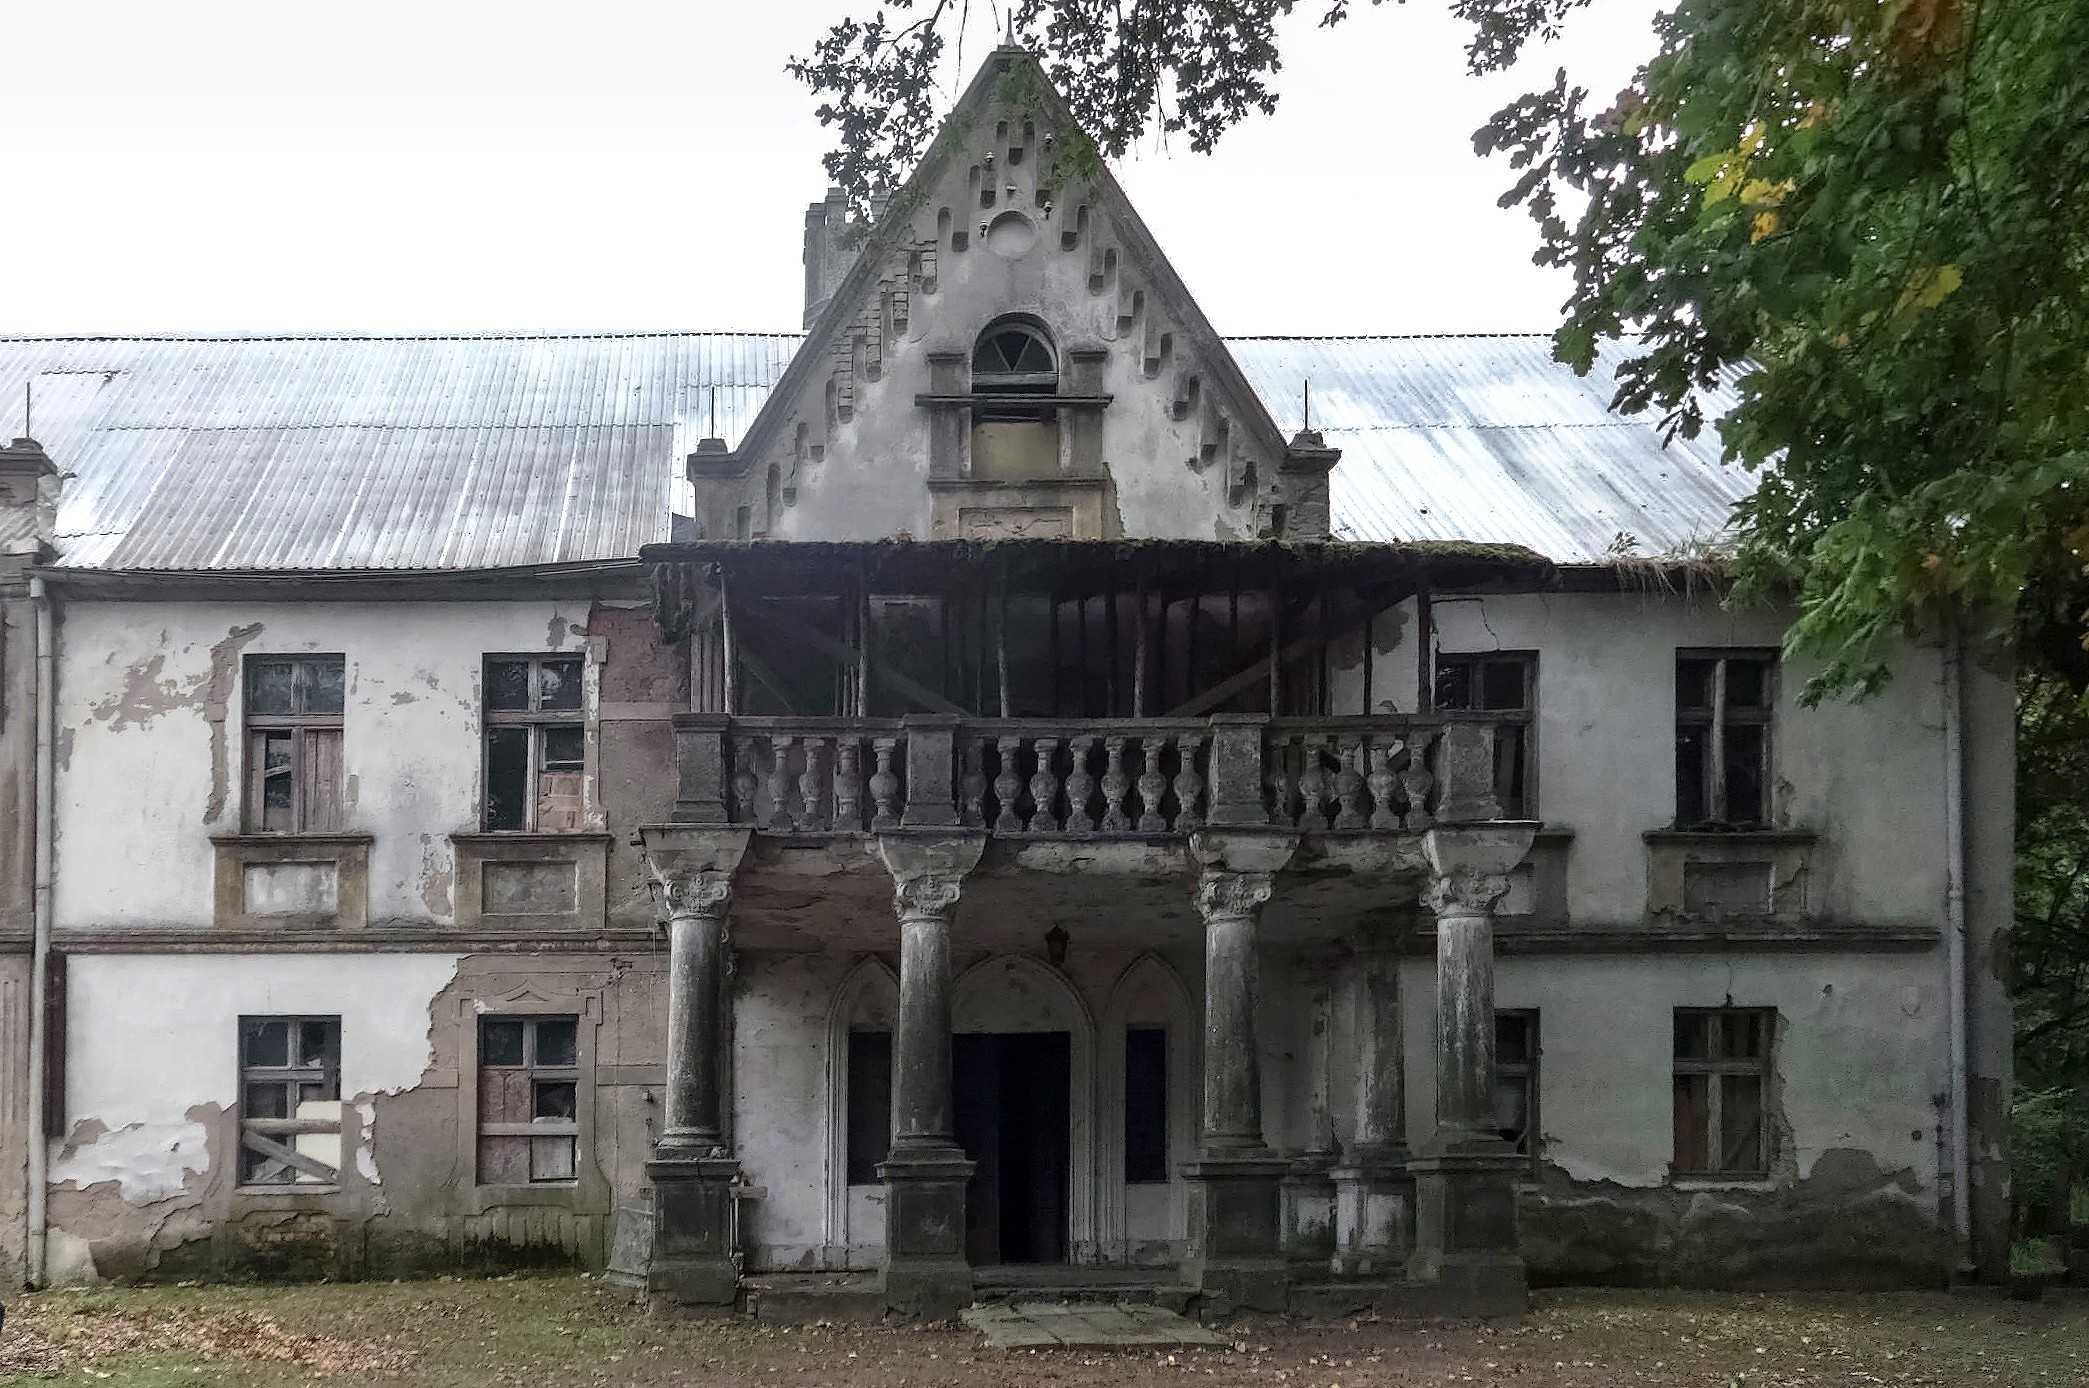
[257, 453]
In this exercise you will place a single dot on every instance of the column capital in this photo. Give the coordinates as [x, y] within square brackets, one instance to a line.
[929, 869]
[1470, 865]
[1465, 893]
[691, 867]
[1223, 895]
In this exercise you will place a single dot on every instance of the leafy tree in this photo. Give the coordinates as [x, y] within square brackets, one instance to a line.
[1872, 211]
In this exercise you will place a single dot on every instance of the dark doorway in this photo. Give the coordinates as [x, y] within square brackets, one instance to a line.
[1013, 1106]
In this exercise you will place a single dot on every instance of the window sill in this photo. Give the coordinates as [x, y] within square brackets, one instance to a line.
[1796, 837]
[291, 882]
[525, 836]
[1703, 1180]
[313, 837]
[531, 880]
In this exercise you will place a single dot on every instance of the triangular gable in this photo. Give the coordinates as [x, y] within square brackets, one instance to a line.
[1008, 156]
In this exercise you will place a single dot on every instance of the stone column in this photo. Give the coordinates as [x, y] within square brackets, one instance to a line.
[1374, 1194]
[1309, 1187]
[692, 1169]
[1235, 1247]
[925, 1272]
[1468, 1250]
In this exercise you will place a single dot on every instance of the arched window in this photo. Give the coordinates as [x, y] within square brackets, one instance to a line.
[1014, 356]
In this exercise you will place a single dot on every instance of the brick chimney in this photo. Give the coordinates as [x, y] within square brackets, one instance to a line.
[28, 499]
[832, 239]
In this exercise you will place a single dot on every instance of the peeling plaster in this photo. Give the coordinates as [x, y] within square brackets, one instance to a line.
[217, 692]
[148, 1162]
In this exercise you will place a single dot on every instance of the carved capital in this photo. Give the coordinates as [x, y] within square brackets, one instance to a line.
[707, 895]
[1223, 895]
[932, 895]
[1465, 893]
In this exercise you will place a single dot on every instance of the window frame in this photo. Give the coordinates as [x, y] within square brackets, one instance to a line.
[557, 1074]
[536, 720]
[1719, 1068]
[328, 1073]
[1716, 718]
[255, 729]
[1525, 717]
[1529, 1072]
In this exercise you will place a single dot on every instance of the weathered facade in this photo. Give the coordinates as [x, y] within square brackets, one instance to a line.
[956, 789]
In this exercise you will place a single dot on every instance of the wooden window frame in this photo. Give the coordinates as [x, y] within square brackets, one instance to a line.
[1719, 1068]
[536, 719]
[276, 1138]
[569, 1074]
[1525, 717]
[1528, 1071]
[1717, 718]
[256, 728]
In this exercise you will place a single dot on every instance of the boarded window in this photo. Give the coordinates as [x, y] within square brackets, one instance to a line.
[289, 1100]
[1503, 685]
[870, 1104]
[529, 1100]
[1723, 708]
[293, 730]
[1516, 1080]
[536, 744]
[1145, 1104]
[1722, 1076]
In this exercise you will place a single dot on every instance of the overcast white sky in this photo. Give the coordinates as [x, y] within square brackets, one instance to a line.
[464, 165]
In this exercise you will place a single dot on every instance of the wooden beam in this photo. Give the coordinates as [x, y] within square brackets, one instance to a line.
[1424, 648]
[823, 644]
[1245, 678]
[289, 1156]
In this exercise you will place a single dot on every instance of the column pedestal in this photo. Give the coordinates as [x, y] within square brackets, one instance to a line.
[1234, 1255]
[925, 1272]
[694, 1262]
[1468, 1245]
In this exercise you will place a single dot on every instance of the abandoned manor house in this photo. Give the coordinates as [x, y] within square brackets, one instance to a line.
[1003, 786]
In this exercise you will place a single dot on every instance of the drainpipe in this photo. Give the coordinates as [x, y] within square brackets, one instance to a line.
[1955, 934]
[40, 959]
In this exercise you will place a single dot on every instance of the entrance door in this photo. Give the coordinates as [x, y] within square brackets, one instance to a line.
[1014, 1105]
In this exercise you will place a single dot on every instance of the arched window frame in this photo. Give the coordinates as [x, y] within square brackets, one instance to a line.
[988, 381]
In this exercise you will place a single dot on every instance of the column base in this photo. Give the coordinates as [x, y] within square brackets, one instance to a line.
[1468, 1250]
[693, 1262]
[1374, 1215]
[1235, 1253]
[925, 1272]
[1308, 1190]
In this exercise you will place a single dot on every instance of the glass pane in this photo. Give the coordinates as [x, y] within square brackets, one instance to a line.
[504, 1161]
[500, 1041]
[1511, 1039]
[1501, 684]
[1741, 1123]
[551, 1158]
[556, 1099]
[1694, 683]
[555, 1041]
[1690, 774]
[564, 749]
[323, 682]
[266, 1043]
[1747, 682]
[268, 686]
[507, 778]
[267, 1101]
[869, 1104]
[1454, 686]
[1745, 801]
[315, 1044]
[1511, 1106]
[1693, 1036]
[508, 685]
[558, 684]
[1693, 1116]
[1746, 1037]
[1509, 763]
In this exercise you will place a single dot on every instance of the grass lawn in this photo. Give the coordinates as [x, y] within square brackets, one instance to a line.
[558, 1331]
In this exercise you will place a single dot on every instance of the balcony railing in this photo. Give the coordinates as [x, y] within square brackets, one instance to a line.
[1081, 777]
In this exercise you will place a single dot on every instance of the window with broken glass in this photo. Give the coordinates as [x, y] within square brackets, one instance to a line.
[529, 1100]
[293, 729]
[1516, 1080]
[1722, 1074]
[536, 744]
[1503, 685]
[1723, 705]
[290, 1101]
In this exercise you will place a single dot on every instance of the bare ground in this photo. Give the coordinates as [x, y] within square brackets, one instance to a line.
[555, 1331]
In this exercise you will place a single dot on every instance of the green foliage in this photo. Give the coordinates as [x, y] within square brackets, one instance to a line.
[2048, 1154]
[2051, 944]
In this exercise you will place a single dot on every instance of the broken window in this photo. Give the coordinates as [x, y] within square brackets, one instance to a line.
[1723, 704]
[293, 730]
[870, 1104]
[1504, 686]
[1145, 1104]
[529, 1100]
[536, 744]
[1722, 1077]
[1516, 1080]
[289, 1101]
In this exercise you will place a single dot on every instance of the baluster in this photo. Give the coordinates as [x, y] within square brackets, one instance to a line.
[1312, 784]
[1153, 784]
[1044, 789]
[1008, 787]
[1115, 783]
[1278, 782]
[1416, 781]
[780, 784]
[1349, 784]
[810, 788]
[1383, 815]
[848, 784]
[1080, 786]
[974, 809]
[744, 781]
[1188, 784]
[884, 786]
